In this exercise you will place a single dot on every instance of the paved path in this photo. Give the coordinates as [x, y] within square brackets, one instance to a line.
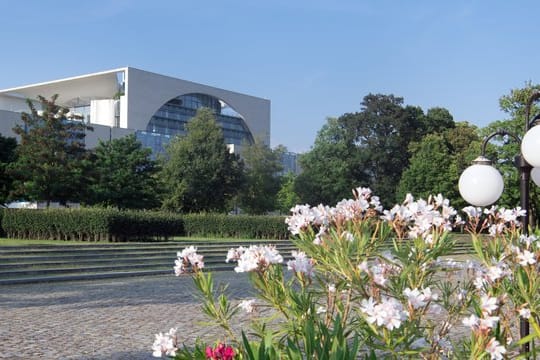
[105, 319]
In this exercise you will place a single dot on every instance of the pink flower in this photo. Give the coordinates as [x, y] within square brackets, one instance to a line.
[220, 352]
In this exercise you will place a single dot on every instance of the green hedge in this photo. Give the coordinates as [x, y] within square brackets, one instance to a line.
[93, 224]
[89, 224]
[235, 226]
[2, 233]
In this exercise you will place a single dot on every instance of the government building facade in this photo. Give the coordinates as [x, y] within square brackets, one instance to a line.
[154, 107]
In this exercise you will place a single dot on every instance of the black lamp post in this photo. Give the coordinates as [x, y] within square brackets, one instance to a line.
[482, 185]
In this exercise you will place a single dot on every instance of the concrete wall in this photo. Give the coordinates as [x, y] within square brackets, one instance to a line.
[147, 92]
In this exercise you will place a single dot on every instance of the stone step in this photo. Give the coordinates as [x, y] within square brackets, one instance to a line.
[27, 264]
[47, 263]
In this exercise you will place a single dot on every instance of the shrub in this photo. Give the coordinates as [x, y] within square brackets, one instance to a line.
[235, 226]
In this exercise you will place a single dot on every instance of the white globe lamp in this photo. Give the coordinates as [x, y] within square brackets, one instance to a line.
[481, 184]
[535, 175]
[530, 146]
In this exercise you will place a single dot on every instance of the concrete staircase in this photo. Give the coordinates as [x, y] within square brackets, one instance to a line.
[46, 263]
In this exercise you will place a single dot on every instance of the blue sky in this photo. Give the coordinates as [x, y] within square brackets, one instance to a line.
[311, 58]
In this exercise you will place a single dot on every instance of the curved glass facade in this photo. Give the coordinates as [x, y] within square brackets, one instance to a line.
[171, 118]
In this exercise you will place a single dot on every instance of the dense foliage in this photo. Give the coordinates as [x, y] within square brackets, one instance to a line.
[199, 172]
[262, 181]
[51, 162]
[7, 156]
[345, 295]
[95, 224]
[124, 175]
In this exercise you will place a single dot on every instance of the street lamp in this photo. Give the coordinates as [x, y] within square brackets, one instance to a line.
[481, 184]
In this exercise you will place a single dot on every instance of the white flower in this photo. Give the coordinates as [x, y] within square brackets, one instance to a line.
[165, 344]
[247, 305]
[488, 304]
[301, 263]
[528, 240]
[494, 272]
[321, 310]
[235, 254]
[331, 288]
[525, 313]
[526, 258]
[472, 212]
[258, 258]
[416, 299]
[347, 236]
[302, 217]
[186, 257]
[471, 321]
[495, 349]
[389, 313]
[488, 322]
[179, 267]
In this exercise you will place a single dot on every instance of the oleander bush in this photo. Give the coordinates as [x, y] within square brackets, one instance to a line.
[346, 295]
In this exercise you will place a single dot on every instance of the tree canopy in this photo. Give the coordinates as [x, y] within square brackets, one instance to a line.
[437, 162]
[327, 173]
[262, 181]
[124, 175]
[7, 156]
[199, 172]
[51, 159]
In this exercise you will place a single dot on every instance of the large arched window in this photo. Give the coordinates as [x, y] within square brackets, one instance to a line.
[171, 118]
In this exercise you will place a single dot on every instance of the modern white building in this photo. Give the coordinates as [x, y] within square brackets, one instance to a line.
[155, 107]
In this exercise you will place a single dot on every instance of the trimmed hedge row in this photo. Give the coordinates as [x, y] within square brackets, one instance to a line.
[2, 233]
[93, 224]
[235, 226]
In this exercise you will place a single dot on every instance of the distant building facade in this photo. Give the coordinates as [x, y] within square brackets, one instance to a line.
[154, 107]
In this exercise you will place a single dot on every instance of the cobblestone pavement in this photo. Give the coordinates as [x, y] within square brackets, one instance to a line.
[103, 319]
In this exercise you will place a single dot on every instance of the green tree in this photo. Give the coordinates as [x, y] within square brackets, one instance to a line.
[437, 161]
[287, 198]
[51, 158]
[327, 169]
[381, 133]
[262, 181]
[7, 156]
[503, 150]
[199, 173]
[124, 175]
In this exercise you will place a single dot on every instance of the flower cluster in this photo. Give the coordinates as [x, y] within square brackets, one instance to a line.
[497, 220]
[420, 218]
[377, 277]
[321, 217]
[165, 344]
[301, 263]
[419, 299]
[188, 259]
[254, 258]
[388, 313]
[220, 352]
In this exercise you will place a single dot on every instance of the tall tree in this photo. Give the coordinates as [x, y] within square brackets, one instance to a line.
[382, 132]
[262, 181]
[503, 150]
[287, 198]
[124, 175]
[51, 158]
[7, 156]
[200, 174]
[327, 170]
[437, 161]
